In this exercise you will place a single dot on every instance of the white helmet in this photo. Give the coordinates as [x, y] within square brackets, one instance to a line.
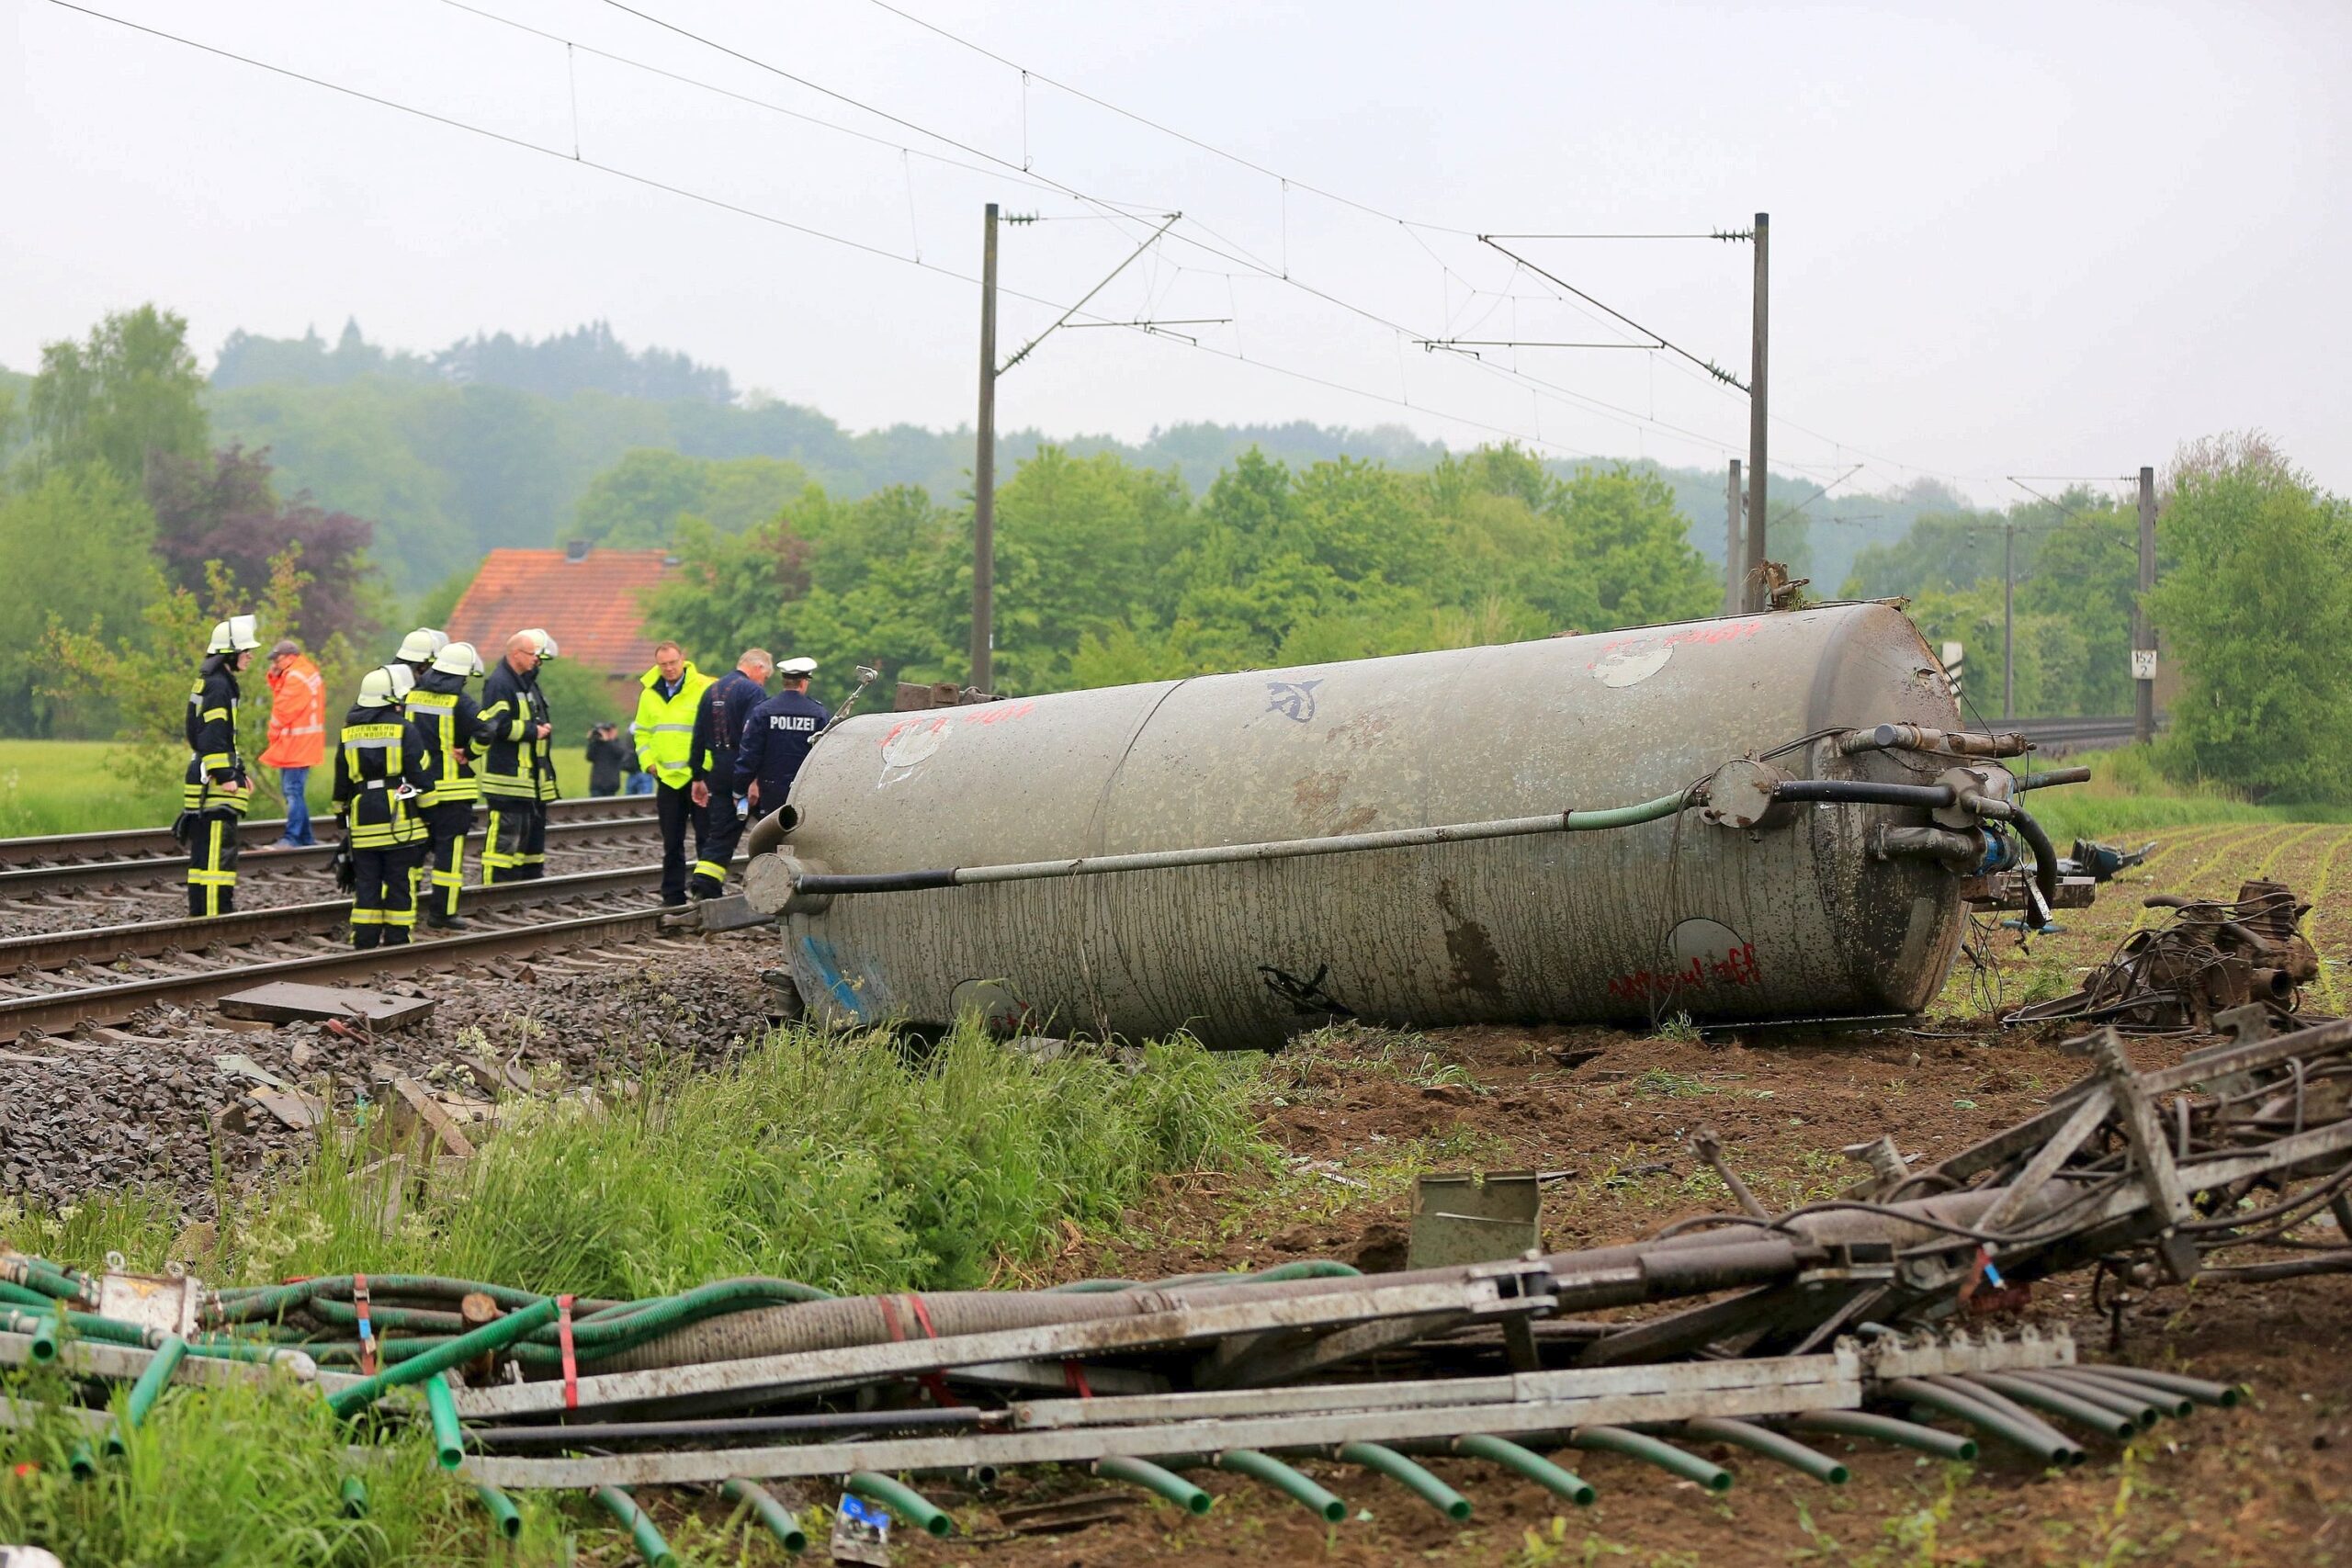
[797, 669]
[234, 635]
[376, 690]
[402, 678]
[545, 642]
[420, 645]
[457, 659]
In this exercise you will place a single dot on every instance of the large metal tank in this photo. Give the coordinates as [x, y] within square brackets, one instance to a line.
[1680, 915]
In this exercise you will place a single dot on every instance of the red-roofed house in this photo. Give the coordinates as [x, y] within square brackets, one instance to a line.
[591, 601]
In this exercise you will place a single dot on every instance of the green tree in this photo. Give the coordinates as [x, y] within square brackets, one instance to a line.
[640, 502]
[132, 388]
[75, 550]
[2263, 569]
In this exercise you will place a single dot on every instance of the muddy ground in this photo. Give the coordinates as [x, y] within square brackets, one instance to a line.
[1359, 1115]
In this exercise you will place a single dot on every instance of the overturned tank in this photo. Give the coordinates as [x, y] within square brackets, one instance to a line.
[1756, 817]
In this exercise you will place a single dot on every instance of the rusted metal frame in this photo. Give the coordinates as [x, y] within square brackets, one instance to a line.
[1172, 1324]
[1676, 1332]
[2151, 1152]
[2085, 1119]
[57, 1013]
[102, 944]
[2208, 1171]
[1673, 1393]
[1271, 1358]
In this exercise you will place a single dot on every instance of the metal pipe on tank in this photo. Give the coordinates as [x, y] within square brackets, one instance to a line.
[1772, 909]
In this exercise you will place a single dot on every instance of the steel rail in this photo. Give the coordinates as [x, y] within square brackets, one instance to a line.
[150, 939]
[159, 868]
[59, 1013]
[134, 844]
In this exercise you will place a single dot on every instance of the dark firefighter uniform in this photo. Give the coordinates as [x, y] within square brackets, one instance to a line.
[450, 723]
[214, 791]
[718, 731]
[377, 755]
[517, 774]
[776, 738]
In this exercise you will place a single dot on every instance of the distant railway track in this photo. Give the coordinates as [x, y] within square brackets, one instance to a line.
[51, 983]
[2060, 735]
[149, 855]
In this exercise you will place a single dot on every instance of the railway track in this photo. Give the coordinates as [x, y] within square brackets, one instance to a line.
[32, 867]
[51, 983]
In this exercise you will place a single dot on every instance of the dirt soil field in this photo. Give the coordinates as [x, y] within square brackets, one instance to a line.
[1606, 1116]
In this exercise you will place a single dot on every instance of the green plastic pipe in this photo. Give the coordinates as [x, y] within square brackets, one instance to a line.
[44, 1347]
[2044, 1442]
[504, 1517]
[1771, 1445]
[2142, 1409]
[14, 1294]
[448, 1437]
[81, 1462]
[902, 1500]
[2005, 1405]
[2169, 1402]
[1886, 1430]
[774, 1514]
[1153, 1479]
[355, 1497]
[1649, 1449]
[441, 1358]
[2223, 1395]
[145, 1392]
[1420, 1482]
[2059, 1402]
[650, 1544]
[1284, 1478]
[1529, 1463]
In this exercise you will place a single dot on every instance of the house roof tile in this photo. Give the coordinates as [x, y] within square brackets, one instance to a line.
[594, 606]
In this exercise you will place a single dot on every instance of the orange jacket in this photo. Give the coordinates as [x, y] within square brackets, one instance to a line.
[298, 707]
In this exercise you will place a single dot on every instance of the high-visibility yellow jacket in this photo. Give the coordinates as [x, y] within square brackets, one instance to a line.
[665, 726]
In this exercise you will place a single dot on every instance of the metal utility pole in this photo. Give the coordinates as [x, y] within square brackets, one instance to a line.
[2009, 621]
[2143, 633]
[1756, 595]
[984, 474]
[1734, 561]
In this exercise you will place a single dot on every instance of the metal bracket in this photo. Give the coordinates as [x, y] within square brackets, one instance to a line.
[2151, 1153]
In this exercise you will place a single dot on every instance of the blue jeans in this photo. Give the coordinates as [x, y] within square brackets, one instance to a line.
[294, 781]
[640, 784]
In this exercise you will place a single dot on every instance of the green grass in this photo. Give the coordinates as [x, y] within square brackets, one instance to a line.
[83, 786]
[834, 1159]
[2126, 796]
[245, 1474]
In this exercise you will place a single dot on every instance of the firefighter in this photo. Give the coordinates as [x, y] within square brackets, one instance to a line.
[379, 774]
[215, 791]
[451, 723]
[420, 648]
[669, 695]
[776, 738]
[718, 731]
[518, 765]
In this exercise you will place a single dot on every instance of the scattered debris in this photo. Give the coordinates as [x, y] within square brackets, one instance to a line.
[2206, 957]
[289, 1001]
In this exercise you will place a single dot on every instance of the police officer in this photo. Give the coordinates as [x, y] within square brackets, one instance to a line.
[518, 768]
[718, 731]
[379, 773]
[452, 725]
[664, 729]
[776, 738]
[215, 791]
[420, 648]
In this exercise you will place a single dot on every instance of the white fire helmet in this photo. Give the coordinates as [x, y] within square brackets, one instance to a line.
[420, 646]
[235, 635]
[376, 689]
[457, 659]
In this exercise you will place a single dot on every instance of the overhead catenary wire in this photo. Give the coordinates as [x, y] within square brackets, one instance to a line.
[808, 231]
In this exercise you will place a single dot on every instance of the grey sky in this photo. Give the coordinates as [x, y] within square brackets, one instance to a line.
[2040, 239]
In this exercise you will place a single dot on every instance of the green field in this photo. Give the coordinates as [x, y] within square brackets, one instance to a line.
[86, 786]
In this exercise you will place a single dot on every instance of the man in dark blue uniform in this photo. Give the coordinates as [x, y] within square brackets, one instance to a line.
[720, 719]
[776, 738]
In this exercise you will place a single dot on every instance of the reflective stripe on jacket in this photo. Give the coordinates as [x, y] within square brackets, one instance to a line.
[515, 764]
[214, 768]
[450, 726]
[297, 717]
[665, 726]
[375, 755]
